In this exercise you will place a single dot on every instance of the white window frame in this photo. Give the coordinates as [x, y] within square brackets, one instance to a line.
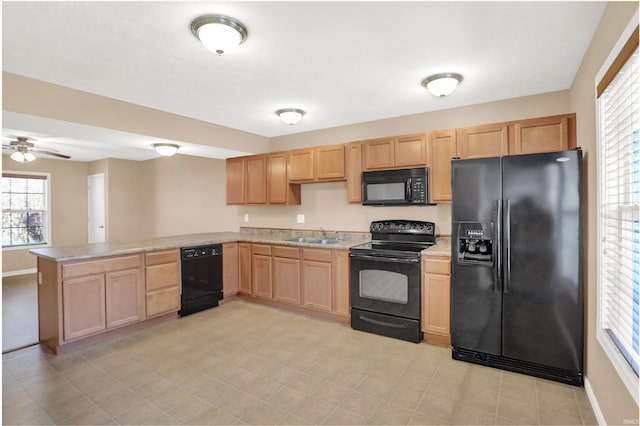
[620, 364]
[48, 216]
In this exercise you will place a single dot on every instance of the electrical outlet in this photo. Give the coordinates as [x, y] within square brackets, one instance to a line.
[246, 218]
[300, 218]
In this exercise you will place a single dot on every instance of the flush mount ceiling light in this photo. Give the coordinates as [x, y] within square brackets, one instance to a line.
[219, 34]
[443, 84]
[166, 149]
[290, 115]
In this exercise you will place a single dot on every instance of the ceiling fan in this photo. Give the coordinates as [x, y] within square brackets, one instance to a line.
[23, 150]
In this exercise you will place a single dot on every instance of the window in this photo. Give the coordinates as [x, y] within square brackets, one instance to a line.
[618, 105]
[25, 209]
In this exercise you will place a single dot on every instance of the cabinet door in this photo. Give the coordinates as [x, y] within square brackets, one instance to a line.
[256, 180]
[354, 172]
[230, 269]
[483, 141]
[286, 279]
[340, 264]
[301, 165]
[435, 306]
[411, 151]
[443, 149]
[235, 180]
[244, 266]
[329, 163]
[83, 304]
[261, 271]
[317, 278]
[163, 301]
[124, 293]
[543, 134]
[379, 154]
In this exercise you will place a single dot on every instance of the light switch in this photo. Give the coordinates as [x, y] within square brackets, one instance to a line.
[300, 218]
[246, 218]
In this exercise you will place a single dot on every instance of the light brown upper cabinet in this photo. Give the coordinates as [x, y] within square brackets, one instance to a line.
[256, 179]
[354, 172]
[442, 148]
[546, 134]
[490, 140]
[400, 151]
[235, 180]
[321, 163]
[279, 190]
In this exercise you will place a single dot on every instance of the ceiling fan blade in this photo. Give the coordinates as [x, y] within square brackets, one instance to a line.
[55, 154]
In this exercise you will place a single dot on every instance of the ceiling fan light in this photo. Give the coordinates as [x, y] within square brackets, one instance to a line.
[29, 157]
[290, 115]
[219, 34]
[441, 85]
[166, 149]
[18, 156]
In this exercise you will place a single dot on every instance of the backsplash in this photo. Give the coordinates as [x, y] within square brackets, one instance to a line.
[306, 233]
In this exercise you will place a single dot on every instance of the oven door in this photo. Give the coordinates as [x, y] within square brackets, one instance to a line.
[385, 285]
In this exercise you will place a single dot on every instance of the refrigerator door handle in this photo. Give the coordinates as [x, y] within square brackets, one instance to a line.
[507, 242]
[498, 256]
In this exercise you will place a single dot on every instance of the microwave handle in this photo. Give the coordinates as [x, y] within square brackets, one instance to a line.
[407, 193]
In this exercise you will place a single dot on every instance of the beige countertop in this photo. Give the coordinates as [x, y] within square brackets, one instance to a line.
[89, 251]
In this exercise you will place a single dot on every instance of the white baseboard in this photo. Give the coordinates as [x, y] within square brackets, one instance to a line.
[594, 402]
[19, 272]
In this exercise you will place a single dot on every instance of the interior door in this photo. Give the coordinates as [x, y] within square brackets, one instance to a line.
[96, 197]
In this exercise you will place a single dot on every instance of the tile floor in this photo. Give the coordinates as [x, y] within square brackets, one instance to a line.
[19, 311]
[242, 363]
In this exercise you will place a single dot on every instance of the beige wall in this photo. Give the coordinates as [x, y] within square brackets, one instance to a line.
[68, 206]
[613, 398]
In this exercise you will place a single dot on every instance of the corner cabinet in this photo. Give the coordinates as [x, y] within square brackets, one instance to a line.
[436, 286]
[230, 269]
[244, 268]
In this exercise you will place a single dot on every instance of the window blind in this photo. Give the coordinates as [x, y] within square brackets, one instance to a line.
[24, 210]
[619, 209]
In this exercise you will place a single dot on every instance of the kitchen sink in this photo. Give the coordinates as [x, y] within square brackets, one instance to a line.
[312, 240]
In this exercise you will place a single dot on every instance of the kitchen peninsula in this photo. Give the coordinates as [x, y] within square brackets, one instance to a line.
[88, 293]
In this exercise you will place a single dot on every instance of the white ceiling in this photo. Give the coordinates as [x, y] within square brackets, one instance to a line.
[341, 62]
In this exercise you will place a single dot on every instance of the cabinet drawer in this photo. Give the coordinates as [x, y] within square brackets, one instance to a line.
[437, 266]
[261, 249]
[318, 255]
[164, 275]
[164, 256]
[163, 301]
[101, 266]
[288, 252]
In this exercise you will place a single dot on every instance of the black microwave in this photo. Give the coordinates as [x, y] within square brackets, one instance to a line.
[403, 187]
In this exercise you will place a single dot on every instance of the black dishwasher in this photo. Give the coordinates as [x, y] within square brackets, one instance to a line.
[201, 278]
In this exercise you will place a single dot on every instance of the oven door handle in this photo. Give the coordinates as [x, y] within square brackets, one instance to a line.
[381, 323]
[384, 259]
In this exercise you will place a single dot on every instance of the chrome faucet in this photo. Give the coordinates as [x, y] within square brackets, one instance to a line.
[324, 233]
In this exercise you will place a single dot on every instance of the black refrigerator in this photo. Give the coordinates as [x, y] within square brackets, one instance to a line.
[517, 276]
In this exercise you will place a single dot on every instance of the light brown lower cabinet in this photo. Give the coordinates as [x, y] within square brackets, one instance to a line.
[316, 278]
[230, 269]
[341, 299]
[162, 282]
[84, 306]
[261, 282]
[436, 283]
[244, 268]
[286, 274]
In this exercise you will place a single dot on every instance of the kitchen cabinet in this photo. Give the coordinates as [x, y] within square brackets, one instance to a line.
[340, 285]
[545, 134]
[256, 179]
[279, 190]
[244, 267]
[395, 152]
[286, 274]
[353, 154]
[436, 284]
[317, 278]
[261, 282]
[321, 163]
[230, 269]
[162, 282]
[442, 148]
[235, 180]
[490, 140]
[101, 294]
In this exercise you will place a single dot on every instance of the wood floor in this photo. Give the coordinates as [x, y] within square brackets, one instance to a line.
[19, 311]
